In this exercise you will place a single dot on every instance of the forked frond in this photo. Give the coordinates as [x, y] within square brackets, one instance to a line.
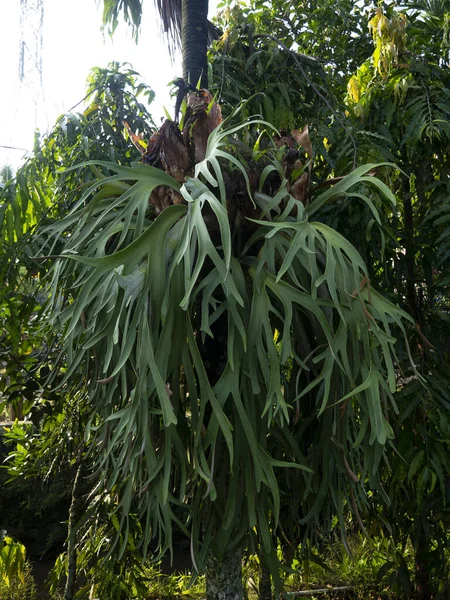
[305, 388]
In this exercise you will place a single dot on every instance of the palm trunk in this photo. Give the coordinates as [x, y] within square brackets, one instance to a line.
[194, 41]
[224, 577]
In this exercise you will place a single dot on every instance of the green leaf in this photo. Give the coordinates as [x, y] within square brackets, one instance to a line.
[415, 465]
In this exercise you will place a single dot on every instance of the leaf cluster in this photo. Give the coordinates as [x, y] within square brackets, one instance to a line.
[304, 369]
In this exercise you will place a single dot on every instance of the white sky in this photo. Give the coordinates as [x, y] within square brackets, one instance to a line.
[73, 44]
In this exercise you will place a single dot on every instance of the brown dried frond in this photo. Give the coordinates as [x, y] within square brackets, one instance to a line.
[302, 138]
[174, 155]
[300, 188]
[152, 155]
[137, 140]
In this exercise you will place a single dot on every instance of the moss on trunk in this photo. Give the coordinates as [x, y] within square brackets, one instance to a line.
[224, 577]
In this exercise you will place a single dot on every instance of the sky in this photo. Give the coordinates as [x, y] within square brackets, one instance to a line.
[73, 43]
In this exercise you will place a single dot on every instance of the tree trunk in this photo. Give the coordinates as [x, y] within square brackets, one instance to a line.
[411, 295]
[224, 577]
[194, 41]
[265, 585]
[421, 559]
[71, 538]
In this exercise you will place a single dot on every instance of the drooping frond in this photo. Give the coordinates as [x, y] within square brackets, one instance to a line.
[132, 13]
[169, 12]
[305, 388]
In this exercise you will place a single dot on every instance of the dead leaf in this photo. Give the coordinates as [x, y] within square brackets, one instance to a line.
[299, 189]
[174, 155]
[137, 140]
[302, 138]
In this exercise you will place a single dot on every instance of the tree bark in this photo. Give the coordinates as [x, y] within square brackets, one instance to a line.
[194, 41]
[224, 577]
[411, 294]
[71, 538]
[265, 585]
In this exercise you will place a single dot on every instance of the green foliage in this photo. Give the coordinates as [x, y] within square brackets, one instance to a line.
[35, 487]
[16, 581]
[396, 110]
[335, 567]
[132, 13]
[406, 101]
[144, 298]
[301, 41]
[129, 578]
[145, 291]
[28, 200]
[40, 463]
[12, 560]
[245, 62]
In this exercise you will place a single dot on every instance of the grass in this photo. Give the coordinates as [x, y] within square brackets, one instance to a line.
[20, 587]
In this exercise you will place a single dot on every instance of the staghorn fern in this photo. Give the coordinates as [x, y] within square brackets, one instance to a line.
[309, 374]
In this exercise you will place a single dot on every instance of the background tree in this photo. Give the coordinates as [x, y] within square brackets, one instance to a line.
[396, 110]
[402, 94]
[41, 462]
[28, 201]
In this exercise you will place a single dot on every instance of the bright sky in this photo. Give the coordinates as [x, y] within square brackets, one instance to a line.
[73, 44]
